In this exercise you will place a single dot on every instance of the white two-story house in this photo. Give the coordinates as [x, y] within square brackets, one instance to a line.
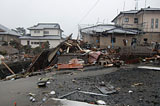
[43, 32]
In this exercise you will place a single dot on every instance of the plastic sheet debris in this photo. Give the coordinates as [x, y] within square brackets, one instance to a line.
[32, 94]
[101, 102]
[42, 82]
[130, 91]
[149, 67]
[32, 99]
[52, 93]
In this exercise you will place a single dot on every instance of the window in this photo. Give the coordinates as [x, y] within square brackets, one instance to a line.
[145, 39]
[46, 32]
[37, 31]
[28, 42]
[35, 43]
[156, 24]
[113, 40]
[152, 23]
[126, 20]
[136, 20]
[1, 38]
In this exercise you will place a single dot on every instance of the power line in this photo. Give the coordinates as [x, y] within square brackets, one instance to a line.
[89, 11]
[95, 4]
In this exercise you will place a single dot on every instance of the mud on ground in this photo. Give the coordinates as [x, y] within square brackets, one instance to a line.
[143, 84]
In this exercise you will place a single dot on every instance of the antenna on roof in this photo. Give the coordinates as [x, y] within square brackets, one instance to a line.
[145, 3]
[136, 4]
[97, 21]
[124, 5]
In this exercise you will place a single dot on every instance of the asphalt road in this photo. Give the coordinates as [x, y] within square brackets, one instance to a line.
[18, 90]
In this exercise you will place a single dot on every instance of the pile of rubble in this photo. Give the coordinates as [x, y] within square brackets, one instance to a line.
[70, 54]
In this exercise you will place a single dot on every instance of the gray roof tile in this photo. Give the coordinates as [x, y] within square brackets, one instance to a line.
[45, 26]
[108, 29]
[8, 31]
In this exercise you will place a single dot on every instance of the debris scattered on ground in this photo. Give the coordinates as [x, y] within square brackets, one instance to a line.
[52, 93]
[130, 91]
[70, 55]
[101, 102]
[42, 82]
[149, 67]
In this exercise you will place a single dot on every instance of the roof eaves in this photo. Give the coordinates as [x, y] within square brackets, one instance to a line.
[116, 17]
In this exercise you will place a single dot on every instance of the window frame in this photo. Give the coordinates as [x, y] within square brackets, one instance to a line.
[136, 20]
[156, 23]
[36, 31]
[113, 39]
[152, 23]
[126, 19]
[44, 32]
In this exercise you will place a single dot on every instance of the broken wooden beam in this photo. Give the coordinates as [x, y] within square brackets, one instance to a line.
[7, 67]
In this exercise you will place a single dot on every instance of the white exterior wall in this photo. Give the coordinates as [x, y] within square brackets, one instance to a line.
[36, 34]
[24, 42]
[52, 31]
[53, 43]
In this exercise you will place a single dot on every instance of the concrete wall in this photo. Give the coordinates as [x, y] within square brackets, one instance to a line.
[130, 23]
[53, 43]
[152, 37]
[105, 41]
[91, 39]
[146, 17]
[144, 21]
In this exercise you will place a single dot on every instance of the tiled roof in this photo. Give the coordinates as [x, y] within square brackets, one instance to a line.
[136, 11]
[45, 26]
[130, 12]
[6, 30]
[123, 31]
[97, 28]
[107, 29]
[151, 9]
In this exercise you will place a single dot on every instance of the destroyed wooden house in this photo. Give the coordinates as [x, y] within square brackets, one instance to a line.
[67, 55]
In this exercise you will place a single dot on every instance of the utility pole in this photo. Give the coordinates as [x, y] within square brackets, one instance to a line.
[145, 3]
[124, 5]
[136, 4]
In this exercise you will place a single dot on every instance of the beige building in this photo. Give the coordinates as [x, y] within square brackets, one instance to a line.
[41, 33]
[105, 36]
[146, 20]
[6, 35]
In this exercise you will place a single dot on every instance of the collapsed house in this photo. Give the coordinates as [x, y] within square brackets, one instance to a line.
[69, 55]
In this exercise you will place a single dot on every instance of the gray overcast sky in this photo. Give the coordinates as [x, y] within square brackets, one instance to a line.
[68, 13]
